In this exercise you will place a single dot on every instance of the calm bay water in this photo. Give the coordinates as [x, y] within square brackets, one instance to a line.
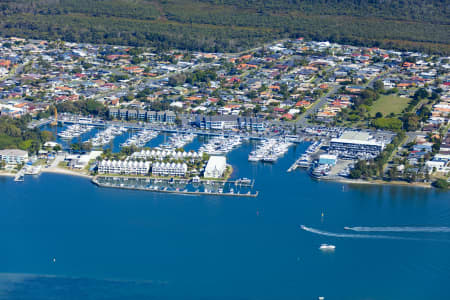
[120, 244]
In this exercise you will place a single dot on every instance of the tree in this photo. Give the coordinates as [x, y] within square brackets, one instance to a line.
[387, 123]
[378, 86]
[355, 174]
[87, 146]
[392, 173]
[411, 122]
[47, 136]
[420, 94]
[178, 121]
[441, 184]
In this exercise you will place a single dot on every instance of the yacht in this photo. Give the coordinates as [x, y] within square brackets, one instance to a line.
[326, 247]
[320, 170]
[304, 161]
[221, 145]
[104, 137]
[270, 150]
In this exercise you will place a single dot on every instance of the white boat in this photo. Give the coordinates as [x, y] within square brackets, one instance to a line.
[326, 247]
[270, 150]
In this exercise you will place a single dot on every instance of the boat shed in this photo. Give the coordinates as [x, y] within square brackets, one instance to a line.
[327, 159]
[215, 167]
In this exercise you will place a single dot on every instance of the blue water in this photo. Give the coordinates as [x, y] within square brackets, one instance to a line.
[121, 244]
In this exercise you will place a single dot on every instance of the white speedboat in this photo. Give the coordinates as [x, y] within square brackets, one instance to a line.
[326, 247]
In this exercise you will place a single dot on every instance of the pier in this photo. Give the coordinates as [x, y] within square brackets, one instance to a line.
[19, 176]
[294, 166]
[236, 188]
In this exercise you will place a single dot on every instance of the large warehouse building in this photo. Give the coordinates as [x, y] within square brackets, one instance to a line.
[356, 144]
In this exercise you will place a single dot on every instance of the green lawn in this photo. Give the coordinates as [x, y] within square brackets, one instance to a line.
[389, 104]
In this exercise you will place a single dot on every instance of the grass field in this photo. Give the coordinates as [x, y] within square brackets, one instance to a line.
[389, 104]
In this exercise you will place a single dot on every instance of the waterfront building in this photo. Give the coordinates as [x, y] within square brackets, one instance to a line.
[229, 122]
[327, 159]
[143, 115]
[169, 169]
[161, 154]
[440, 163]
[355, 144]
[123, 167]
[13, 156]
[132, 114]
[215, 167]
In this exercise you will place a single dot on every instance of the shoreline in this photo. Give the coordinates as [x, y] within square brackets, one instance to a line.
[7, 174]
[379, 182]
[56, 170]
[62, 171]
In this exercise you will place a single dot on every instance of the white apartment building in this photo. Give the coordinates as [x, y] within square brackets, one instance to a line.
[13, 156]
[161, 154]
[123, 167]
[169, 169]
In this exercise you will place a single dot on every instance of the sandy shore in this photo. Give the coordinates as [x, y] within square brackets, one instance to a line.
[381, 182]
[56, 170]
[7, 174]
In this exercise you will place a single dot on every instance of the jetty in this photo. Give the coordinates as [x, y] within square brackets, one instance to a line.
[294, 166]
[19, 176]
[235, 188]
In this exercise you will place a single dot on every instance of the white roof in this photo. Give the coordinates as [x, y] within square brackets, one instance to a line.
[13, 152]
[327, 156]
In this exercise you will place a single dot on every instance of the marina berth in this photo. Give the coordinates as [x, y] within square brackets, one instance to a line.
[177, 185]
[178, 141]
[140, 139]
[304, 161]
[221, 145]
[105, 137]
[314, 147]
[74, 131]
[320, 170]
[270, 150]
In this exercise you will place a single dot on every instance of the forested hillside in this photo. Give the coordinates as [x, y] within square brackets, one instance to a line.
[232, 25]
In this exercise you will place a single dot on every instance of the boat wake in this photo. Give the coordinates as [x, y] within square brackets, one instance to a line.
[361, 236]
[398, 229]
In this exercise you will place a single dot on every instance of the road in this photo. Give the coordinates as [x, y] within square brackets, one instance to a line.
[303, 121]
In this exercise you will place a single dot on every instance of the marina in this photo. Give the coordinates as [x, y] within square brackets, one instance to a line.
[178, 141]
[74, 131]
[304, 161]
[140, 139]
[221, 145]
[270, 150]
[237, 188]
[106, 136]
[245, 233]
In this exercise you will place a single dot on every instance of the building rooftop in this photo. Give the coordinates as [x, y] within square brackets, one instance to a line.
[356, 135]
[13, 152]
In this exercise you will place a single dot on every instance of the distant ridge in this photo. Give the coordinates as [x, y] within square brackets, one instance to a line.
[232, 25]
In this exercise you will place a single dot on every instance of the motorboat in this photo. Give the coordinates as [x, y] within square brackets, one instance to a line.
[326, 247]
